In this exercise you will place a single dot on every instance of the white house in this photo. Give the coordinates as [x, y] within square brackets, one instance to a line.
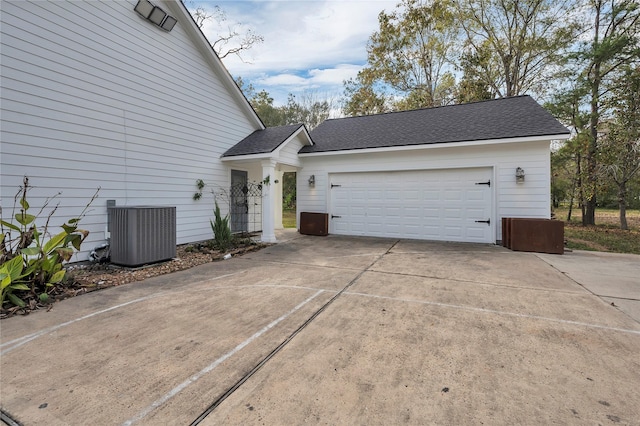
[447, 173]
[132, 99]
[95, 95]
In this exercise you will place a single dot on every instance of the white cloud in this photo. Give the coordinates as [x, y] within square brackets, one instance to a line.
[335, 75]
[282, 80]
[307, 44]
[315, 77]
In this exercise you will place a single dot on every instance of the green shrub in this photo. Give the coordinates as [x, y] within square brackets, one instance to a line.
[221, 230]
[31, 259]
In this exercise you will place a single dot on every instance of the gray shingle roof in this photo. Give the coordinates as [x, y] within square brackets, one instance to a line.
[262, 141]
[512, 117]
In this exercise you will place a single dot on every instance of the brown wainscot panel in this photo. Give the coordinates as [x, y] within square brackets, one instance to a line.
[533, 234]
[314, 223]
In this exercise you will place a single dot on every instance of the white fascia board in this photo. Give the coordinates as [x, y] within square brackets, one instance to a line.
[307, 135]
[180, 12]
[264, 156]
[255, 158]
[439, 145]
[276, 152]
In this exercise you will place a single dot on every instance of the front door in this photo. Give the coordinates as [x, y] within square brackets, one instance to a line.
[239, 201]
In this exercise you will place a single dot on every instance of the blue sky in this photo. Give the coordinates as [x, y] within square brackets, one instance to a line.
[309, 46]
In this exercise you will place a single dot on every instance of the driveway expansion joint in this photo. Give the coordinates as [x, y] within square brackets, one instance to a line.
[284, 343]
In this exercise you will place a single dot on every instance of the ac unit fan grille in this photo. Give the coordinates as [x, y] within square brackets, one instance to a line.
[141, 235]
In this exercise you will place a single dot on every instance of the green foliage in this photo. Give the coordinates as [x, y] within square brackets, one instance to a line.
[289, 191]
[409, 54]
[221, 231]
[615, 44]
[306, 108]
[502, 47]
[11, 279]
[200, 186]
[515, 46]
[473, 85]
[31, 259]
[362, 96]
[620, 147]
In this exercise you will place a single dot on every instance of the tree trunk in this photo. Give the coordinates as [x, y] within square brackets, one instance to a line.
[595, 77]
[622, 203]
[589, 218]
[570, 209]
[580, 185]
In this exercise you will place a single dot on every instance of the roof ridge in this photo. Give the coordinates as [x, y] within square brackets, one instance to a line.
[430, 108]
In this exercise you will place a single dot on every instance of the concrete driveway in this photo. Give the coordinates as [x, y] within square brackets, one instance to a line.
[335, 330]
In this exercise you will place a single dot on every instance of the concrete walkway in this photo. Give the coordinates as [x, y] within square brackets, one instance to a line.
[613, 277]
[335, 330]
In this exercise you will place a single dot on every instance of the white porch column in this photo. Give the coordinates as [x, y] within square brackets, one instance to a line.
[268, 201]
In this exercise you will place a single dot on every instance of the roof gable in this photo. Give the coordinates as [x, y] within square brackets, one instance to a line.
[513, 117]
[267, 140]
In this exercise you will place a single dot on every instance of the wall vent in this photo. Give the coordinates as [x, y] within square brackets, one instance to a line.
[141, 235]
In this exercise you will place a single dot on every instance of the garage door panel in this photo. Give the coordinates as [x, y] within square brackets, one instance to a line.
[453, 195]
[392, 228]
[476, 194]
[373, 195]
[412, 212]
[475, 232]
[476, 214]
[439, 205]
[431, 195]
[452, 232]
[453, 213]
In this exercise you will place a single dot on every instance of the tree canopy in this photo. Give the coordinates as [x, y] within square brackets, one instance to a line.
[580, 56]
[306, 108]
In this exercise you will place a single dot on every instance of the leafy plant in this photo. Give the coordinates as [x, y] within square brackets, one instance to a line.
[221, 231]
[11, 279]
[198, 194]
[31, 259]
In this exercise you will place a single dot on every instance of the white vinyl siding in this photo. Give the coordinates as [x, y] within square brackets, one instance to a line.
[95, 96]
[528, 199]
[288, 153]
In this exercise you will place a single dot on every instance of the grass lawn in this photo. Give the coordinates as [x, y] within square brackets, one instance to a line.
[606, 235]
[289, 218]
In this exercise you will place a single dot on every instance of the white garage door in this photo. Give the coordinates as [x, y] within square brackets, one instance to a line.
[445, 205]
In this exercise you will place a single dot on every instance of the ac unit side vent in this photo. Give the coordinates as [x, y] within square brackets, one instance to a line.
[142, 235]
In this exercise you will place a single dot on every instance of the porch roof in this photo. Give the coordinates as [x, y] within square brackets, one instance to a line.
[266, 141]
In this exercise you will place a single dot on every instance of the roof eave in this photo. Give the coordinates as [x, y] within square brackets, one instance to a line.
[551, 137]
[247, 157]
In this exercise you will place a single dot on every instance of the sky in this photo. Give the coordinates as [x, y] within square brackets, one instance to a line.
[309, 46]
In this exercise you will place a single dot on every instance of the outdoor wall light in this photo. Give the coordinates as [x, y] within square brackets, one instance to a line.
[312, 180]
[519, 175]
[155, 14]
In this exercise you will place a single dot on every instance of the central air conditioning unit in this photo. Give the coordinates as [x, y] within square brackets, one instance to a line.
[141, 235]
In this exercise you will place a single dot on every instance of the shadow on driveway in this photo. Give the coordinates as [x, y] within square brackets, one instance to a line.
[331, 330]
